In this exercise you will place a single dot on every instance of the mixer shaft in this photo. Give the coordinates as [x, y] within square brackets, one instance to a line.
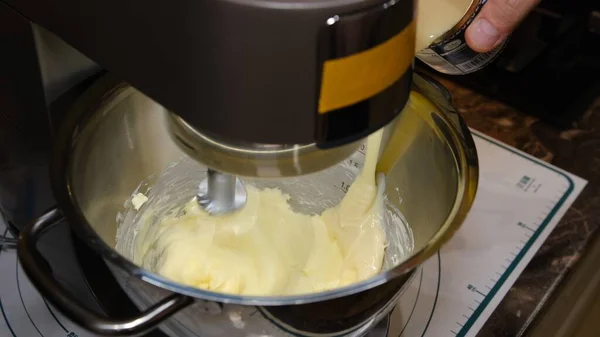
[221, 193]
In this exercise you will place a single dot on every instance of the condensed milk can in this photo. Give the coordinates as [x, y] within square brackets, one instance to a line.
[440, 41]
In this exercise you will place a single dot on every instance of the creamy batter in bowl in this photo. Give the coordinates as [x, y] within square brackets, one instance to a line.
[116, 138]
[269, 247]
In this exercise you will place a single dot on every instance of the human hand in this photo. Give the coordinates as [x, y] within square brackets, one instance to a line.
[496, 20]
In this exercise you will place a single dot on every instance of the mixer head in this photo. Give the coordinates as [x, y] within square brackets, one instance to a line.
[342, 73]
[306, 83]
[279, 74]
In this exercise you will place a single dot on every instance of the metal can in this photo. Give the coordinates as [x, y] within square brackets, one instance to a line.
[450, 53]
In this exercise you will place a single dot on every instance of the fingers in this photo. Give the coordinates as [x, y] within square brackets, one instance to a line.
[496, 20]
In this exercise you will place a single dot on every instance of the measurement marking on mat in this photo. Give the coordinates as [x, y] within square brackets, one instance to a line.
[475, 290]
[490, 288]
[471, 309]
[503, 267]
[465, 316]
[453, 332]
[523, 225]
[459, 324]
[478, 302]
[509, 260]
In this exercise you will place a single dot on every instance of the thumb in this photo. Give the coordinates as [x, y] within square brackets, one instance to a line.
[496, 20]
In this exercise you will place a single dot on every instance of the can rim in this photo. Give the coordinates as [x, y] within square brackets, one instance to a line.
[468, 16]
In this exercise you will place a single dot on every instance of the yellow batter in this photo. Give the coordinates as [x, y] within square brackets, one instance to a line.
[268, 249]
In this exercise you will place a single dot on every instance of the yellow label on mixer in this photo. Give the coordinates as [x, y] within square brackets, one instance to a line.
[351, 79]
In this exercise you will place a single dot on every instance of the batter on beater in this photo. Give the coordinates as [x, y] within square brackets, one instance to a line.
[266, 248]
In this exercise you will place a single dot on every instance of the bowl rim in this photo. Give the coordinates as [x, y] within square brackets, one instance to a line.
[108, 88]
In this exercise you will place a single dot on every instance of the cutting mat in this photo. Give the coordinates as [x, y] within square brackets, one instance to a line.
[519, 201]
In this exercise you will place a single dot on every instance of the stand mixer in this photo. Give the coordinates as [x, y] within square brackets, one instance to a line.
[269, 88]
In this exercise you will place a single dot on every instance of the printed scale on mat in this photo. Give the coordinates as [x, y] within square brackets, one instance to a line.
[519, 201]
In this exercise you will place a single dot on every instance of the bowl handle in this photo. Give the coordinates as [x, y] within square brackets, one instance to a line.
[37, 269]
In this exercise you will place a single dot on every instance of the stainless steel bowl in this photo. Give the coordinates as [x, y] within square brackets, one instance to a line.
[115, 138]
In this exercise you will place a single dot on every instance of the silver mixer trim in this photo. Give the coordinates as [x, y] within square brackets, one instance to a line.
[248, 159]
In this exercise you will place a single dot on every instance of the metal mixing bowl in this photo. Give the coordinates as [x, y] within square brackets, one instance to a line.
[116, 138]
